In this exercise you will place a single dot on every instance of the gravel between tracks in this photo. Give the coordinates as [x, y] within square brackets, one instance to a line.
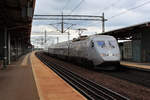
[131, 90]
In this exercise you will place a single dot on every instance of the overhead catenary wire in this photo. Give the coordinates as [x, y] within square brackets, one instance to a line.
[77, 6]
[132, 8]
[68, 1]
[111, 5]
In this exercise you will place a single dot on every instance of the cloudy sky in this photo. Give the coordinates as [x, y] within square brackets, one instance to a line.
[120, 13]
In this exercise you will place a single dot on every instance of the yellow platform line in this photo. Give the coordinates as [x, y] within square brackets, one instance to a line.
[136, 65]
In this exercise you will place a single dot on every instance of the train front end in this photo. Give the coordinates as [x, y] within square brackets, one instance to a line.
[108, 51]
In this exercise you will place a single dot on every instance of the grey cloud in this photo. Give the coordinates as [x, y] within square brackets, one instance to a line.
[96, 7]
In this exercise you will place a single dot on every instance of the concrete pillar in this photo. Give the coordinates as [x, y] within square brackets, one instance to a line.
[19, 48]
[9, 47]
[5, 47]
[16, 49]
[17, 45]
[1, 44]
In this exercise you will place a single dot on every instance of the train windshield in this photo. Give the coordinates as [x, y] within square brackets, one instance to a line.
[101, 43]
[108, 44]
[112, 44]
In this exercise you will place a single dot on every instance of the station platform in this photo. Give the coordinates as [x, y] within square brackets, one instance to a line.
[29, 79]
[17, 81]
[140, 66]
[50, 85]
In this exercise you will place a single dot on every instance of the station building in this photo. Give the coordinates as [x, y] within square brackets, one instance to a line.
[136, 45]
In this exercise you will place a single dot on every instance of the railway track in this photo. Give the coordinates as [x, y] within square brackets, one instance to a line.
[91, 90]
[136, 76]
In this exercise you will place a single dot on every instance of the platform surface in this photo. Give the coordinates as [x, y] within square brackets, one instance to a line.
[144, 66]
[17, 81]
[29, 79]
[50, 85]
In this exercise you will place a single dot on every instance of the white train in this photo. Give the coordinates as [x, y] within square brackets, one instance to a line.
[102, 51]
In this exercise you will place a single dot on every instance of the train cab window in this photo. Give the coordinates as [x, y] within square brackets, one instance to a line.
[112, 44]
[92, 44]
[101, 44]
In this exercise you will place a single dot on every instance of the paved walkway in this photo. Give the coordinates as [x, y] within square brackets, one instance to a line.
[17, 82]
[29, 79]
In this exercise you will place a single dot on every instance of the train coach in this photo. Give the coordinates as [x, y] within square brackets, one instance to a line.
[99, 51]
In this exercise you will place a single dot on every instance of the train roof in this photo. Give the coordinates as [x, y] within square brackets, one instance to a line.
[80, 39]
[87, 37]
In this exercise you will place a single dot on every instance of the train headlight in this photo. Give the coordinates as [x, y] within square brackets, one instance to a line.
[110, 54]
[117, 55]
[104, 54]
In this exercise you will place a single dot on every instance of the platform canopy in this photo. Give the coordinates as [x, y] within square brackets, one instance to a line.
[128, 33]
[16, 15]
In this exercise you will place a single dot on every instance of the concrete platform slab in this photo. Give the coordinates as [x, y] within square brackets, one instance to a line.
[17, 81]
[50, 85]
